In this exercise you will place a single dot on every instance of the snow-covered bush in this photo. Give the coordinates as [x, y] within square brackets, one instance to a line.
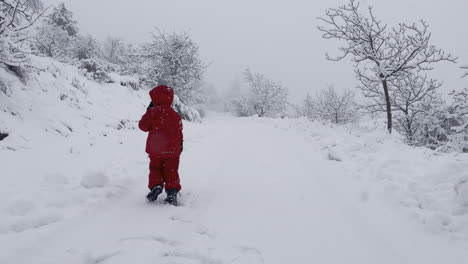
[243, 107]
[96, 69]
[264, 98]
[331, 106]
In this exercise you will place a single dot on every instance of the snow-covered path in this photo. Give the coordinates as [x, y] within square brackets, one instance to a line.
[253, 193]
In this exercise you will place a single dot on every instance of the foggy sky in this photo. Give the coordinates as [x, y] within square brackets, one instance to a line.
[278, 38]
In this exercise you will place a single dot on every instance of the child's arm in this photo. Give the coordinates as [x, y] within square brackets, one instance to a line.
[145, 122]
[151, 119]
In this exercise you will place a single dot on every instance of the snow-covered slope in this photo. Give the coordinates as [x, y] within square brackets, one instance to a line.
[255, 190]
[58, 100]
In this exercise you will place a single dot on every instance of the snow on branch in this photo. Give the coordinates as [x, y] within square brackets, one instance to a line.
[16, 16]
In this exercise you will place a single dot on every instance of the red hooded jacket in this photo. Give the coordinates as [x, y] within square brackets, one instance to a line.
[163, 124]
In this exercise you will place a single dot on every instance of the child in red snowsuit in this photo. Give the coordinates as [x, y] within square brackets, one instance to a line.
[164, 144]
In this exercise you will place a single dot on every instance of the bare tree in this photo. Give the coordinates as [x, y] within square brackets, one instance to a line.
[173, 59]
[16, 17]
[264, 98]
[381, 54]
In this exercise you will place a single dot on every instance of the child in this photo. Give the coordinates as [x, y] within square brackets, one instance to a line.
[164, 144]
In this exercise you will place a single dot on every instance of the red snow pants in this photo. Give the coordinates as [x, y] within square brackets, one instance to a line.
[164, 172]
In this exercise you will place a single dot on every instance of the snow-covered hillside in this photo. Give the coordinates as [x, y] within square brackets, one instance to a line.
[74, 172]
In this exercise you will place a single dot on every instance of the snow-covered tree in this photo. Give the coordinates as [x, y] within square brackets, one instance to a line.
[308, 108]
[85, 47]
[16, 18]
[264, 97]
[52, 41]
[116, 51]
[453, 123]
[459, 107]
[57, 33]
[459, 117]
[415, 101]
[63, 18]
[331, 106]
[173, 59]
[381, 54]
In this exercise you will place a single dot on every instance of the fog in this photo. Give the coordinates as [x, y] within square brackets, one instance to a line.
[278, 38]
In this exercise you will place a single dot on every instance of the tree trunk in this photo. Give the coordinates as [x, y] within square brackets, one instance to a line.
[410, 129]
[389, 106]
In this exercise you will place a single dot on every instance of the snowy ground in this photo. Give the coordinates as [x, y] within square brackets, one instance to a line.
[254, 190]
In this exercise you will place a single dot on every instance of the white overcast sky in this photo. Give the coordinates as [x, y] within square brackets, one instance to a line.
[276, 37]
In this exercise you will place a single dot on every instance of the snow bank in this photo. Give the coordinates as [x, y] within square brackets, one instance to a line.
[58, 101]
[429, 186]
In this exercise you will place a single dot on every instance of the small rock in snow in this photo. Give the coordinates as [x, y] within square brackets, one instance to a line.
[94, 180]
[3, 136]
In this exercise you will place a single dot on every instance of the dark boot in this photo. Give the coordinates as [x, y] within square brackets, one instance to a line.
[171, 197]
[154, 193]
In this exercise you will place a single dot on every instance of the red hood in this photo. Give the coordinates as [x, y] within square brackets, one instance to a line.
[162, 95]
